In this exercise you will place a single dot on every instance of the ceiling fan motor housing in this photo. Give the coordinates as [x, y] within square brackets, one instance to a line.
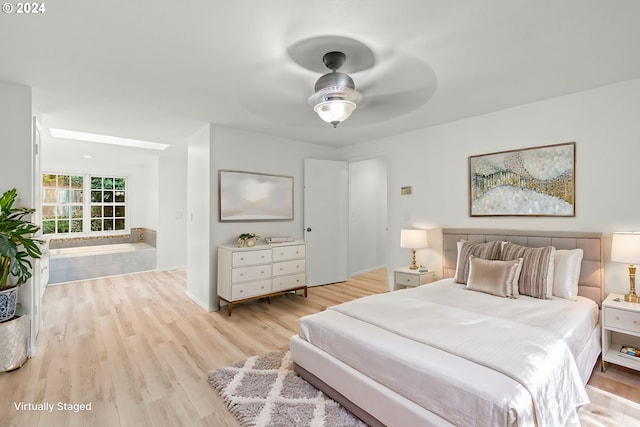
[334, 79]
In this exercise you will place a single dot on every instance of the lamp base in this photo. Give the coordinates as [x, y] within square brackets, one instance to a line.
[632, 297]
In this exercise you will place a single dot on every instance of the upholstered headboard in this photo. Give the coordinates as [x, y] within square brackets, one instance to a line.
[591, 280]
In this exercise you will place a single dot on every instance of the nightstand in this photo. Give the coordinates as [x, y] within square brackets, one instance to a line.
[620, 326]
[406, 278]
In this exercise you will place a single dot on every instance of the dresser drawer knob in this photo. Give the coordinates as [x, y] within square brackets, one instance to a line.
[241, 274]
[241, 291]
[241, 258]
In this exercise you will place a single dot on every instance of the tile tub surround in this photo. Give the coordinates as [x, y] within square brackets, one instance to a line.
[137, 235]
[90, 262]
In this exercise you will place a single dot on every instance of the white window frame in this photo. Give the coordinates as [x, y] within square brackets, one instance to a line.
[86, 205]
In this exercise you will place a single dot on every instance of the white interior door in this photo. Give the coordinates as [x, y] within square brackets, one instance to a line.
[326, 221]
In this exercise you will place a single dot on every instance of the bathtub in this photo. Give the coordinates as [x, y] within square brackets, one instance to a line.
[90, 262]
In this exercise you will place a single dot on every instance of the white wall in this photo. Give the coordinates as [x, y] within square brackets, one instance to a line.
[15, 140]
[233, 149]
[172, 213]
[605, 126]
[16, 169]
[367, 215]
[199, 245]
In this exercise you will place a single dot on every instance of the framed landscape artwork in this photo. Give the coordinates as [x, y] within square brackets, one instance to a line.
[538, 181]
[249, 196]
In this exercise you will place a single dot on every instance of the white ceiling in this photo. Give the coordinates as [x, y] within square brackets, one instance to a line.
[160, 70]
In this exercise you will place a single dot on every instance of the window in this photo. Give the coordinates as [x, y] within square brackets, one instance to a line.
[66, 210]
[107, 203]
[62, 204]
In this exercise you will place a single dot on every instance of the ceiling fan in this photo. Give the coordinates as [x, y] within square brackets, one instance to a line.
[390, 83]
[335, 95]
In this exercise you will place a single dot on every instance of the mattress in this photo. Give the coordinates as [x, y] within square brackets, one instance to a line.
[382, 336]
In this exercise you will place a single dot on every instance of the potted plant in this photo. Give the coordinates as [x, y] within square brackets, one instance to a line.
[248, 239]
[17, 246]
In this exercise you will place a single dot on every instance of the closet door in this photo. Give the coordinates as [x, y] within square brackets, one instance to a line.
[326, 221]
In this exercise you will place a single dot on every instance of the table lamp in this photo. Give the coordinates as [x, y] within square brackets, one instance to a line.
[413, 239]
[625, 247]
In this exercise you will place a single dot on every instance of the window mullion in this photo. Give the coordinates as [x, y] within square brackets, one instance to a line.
[86, 203]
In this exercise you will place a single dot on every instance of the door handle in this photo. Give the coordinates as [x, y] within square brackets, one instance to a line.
[308, 229]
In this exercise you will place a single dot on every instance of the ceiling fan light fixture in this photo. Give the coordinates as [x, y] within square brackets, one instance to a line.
[335, 111]
[335, 94]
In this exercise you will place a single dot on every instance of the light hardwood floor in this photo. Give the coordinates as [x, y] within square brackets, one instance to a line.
[138, 350]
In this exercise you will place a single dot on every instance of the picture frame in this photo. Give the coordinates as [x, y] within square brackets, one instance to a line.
[535, 181]
[251, 196]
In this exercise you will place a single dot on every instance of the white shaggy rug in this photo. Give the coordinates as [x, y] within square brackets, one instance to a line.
[263, 391]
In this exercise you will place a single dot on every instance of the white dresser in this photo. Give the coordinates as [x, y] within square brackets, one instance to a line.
[261, 271]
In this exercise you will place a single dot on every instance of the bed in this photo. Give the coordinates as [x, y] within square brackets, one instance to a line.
[440, 354]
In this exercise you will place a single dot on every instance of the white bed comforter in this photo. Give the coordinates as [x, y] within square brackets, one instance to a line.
[530, 341]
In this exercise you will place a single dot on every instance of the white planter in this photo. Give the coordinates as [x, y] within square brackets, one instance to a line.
[14, 336]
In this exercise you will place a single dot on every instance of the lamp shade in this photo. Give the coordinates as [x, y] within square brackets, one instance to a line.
[413, 239]
[625, 247]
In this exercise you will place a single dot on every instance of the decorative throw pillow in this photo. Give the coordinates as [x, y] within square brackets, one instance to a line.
[494, 277]
[566, 272]
[489, 250]
[536, 277]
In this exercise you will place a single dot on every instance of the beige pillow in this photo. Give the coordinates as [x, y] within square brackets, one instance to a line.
[536, 277]
[489, 250]
[494, 277]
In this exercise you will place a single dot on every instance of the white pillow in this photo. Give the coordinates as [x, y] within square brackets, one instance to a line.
[459, 244]
[566, 273]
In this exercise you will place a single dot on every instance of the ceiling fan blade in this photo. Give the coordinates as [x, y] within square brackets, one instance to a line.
[278, 90]
[398, 72]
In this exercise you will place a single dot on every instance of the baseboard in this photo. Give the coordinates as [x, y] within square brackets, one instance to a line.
[202, 305]
[355, 273]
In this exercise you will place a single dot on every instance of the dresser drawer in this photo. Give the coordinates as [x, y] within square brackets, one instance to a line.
[405, 279]
[284, 253]
[251, 258]
[250, 289]
[288, 267]
[622, 319]
[244, 274]
[288, 282]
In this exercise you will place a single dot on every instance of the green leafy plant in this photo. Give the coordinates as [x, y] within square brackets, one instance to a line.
[17, 244]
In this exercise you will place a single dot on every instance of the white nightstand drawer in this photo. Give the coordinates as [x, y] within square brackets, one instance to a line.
[247, 290]
[251, 258]
[245, 274]
[287, 282]
[622, 319]
[283, 253]
[406, 279]
[288, 267]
